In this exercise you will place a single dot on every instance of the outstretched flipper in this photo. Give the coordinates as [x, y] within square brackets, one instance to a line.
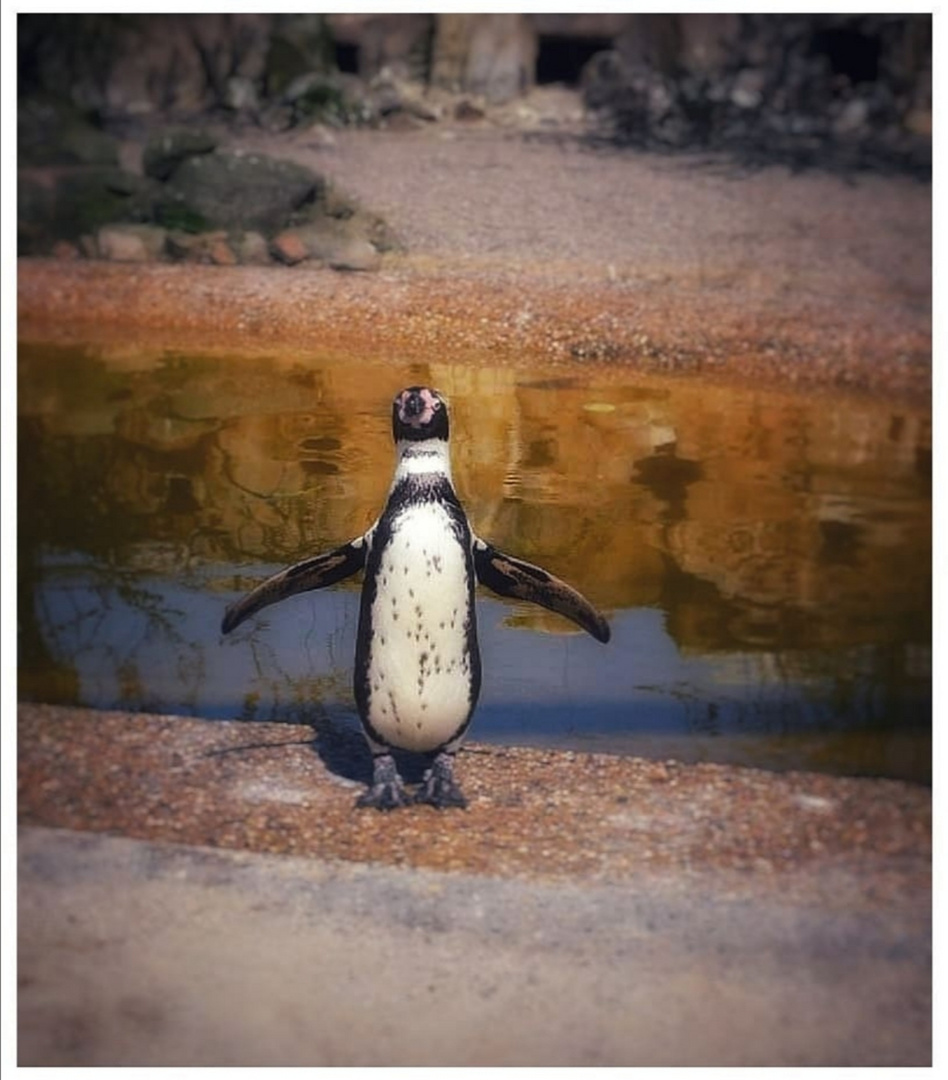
[315, 573]
[513, 577]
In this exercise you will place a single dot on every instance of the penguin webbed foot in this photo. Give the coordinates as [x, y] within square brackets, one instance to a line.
[438, 787]
[387, 791]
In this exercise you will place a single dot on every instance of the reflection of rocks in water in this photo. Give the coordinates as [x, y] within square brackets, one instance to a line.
[151, 426]
[751, 518]
[807, 518]
[668, 477]
[841, 543]
[697, 615]
[181, 498]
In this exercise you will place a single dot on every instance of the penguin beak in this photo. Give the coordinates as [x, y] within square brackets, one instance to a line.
[413, 406]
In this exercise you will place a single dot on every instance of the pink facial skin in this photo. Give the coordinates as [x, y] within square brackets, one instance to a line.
[432, 404]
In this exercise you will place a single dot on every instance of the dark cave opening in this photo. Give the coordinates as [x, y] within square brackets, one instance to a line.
[347, 57]
[850, 52]
[561, 59]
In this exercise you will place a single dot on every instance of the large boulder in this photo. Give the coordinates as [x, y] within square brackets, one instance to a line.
[229, 190]
[168, 148]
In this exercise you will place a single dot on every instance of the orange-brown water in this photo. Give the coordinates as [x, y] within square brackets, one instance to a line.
[765, 558]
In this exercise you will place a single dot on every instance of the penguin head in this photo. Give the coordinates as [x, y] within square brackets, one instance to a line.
[419, 413]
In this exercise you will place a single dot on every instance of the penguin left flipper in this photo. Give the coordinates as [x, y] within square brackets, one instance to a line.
[509, 576]
[315, 573]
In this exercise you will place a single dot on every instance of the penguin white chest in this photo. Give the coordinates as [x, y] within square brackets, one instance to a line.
[419, 675]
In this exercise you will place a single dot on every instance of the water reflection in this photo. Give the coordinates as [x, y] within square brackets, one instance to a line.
[766, 558]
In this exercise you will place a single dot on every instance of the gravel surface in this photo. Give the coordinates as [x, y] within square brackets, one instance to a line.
[520, 249]
[542, 814]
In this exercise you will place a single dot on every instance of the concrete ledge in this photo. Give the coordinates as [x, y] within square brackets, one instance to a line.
[140, 953]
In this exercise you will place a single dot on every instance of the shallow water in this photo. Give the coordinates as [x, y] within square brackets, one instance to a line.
[764, 559]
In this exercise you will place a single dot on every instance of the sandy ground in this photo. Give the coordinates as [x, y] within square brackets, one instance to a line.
[517, 249]
[586, 909]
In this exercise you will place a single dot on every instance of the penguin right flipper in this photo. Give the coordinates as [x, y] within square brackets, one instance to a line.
[315, 573]
[509, 576]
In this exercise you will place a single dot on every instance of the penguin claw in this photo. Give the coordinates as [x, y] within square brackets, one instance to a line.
[441, 796]
[387, 791]
[439, 788]
[385, 796]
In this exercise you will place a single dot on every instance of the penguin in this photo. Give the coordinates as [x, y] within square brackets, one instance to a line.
[417, 672]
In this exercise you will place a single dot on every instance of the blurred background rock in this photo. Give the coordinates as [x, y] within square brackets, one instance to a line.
[132, 121]
[844, 89]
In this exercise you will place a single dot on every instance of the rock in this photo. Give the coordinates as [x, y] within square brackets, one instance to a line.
[350, 220]
[449, 53]
[289, 248]
[602, 80]
[651, 41]
[330, 241]
[466, 111]
[501, 57]
[167, 149]
[318, 98]
[833, 91]
[130, 243]
[231, 190]
[493, 55]
[393, 96]
[707, 42]
[251, 248]
[212, 247]
[747, 91]
[241, 95]
[919, 122]
[161, 62]
[319, 239]
[128, 64]
[357, 255]
[65, 251]
[183, 245]
[852, 117]
[220, 253]
[400, 43]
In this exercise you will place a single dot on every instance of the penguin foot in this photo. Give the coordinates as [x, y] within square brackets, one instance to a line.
[387, 791]
[439, 788]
